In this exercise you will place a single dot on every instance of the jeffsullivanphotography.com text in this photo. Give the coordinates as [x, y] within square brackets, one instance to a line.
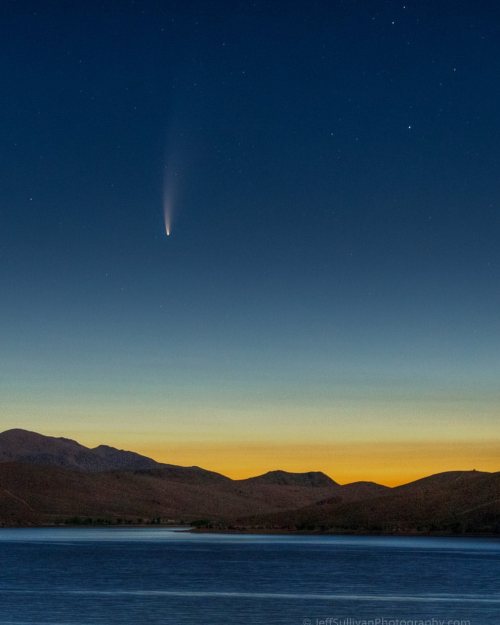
[348, 620]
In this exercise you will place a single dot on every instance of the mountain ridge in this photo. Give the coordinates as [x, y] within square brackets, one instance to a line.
[19, 445]
[51, 480]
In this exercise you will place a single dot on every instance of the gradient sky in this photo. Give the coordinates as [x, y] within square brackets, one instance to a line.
[329, 297]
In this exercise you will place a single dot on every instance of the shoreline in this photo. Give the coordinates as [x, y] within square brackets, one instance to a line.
[258, 532]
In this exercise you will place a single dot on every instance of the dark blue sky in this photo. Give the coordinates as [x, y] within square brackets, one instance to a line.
[334, 264]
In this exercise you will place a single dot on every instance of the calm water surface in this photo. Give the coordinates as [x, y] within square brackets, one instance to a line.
[160, 576]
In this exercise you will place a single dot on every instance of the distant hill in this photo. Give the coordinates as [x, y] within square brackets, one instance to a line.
[45, 479]
[283, 478]
[362, 490]
[23, 446]
[454, 502]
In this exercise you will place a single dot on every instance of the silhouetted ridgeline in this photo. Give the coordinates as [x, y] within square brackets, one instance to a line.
[45, 480]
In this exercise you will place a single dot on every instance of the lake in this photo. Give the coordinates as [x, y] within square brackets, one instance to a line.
[83, 576]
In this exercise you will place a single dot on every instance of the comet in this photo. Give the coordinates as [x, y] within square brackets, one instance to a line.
[167, 216]
[168, 193]
[167, 221]
[173, 172]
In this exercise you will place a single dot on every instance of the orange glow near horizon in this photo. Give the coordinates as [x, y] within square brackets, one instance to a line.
[390, 463]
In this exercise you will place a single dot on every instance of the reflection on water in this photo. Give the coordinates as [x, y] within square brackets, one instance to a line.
[162, 576]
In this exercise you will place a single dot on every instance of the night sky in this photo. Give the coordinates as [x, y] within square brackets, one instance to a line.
[329, 296]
